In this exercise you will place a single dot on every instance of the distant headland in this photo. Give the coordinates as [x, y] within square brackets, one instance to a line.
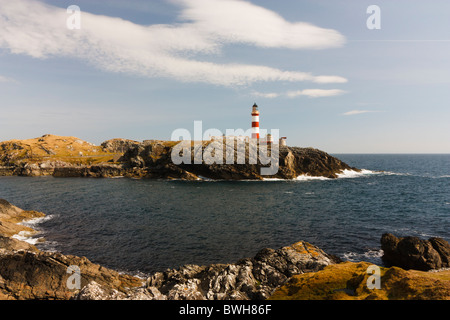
[60, 156]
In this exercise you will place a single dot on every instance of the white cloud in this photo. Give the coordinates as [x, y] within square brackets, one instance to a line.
[7, 79]
[329, 79]
[354, 112]
[315, 93]
[39, 30]
[268, 95]
[312, 93]
[242, 21]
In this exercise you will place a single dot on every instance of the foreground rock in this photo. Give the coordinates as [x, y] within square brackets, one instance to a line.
[27, 273]
[72, 157]
[299, 271]
[252, 278]
[248, 279]
[415, 253]
[41, 275]
[348, 281]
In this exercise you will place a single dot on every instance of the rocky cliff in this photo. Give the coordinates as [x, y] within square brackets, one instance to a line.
[153, 159]
[72, 157]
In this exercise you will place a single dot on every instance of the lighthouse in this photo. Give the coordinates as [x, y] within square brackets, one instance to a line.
[255, 122]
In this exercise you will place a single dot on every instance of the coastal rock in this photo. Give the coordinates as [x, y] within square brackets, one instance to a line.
[96, 291]
[104, 170]
[10, 244]
[28, 273]
[153, 159]
[10, 218]
[117, 145]
[299, 271]
[251, 278]
[415, 253]
[43, 275]
[348, 281]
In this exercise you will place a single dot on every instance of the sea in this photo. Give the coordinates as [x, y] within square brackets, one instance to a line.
[141, 226]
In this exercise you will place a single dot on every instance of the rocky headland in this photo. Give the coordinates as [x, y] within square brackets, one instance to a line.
[72, 157]
[299, 271]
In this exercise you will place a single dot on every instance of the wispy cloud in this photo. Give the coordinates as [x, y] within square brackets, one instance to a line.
[268, 95]
[311, 93]
[166, 50]
[355, 112]
[315, 93]
[243, 22]
[7, 79]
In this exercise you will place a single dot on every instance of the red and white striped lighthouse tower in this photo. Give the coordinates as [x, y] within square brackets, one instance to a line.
[255, 122]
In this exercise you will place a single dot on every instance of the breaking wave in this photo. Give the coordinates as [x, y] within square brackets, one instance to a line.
[32, 237]
[371, 255]
[305, 177]
[35, 221]
[28, 236]
[273, 179]
[344, 174]
[356, 174]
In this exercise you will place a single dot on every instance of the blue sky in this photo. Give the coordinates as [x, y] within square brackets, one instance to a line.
[141, 69]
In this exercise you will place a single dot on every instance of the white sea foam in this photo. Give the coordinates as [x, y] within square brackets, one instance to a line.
[305, 177]
[371, 255]
[30, 236]
[344, 174]
[356, 174]
[33, 222]
[407, 174]
[27, 236]
[273, 179]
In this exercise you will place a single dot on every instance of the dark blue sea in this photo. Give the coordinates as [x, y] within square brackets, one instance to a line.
[143, 226]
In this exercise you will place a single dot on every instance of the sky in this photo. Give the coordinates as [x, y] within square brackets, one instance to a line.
[319, 71]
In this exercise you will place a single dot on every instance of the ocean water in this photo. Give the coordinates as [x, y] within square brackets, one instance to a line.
[143, 226]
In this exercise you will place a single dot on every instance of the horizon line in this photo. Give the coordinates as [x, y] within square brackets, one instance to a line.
[400, 40]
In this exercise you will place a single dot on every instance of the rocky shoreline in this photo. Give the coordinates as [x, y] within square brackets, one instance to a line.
[299, 271]
[58, 156]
